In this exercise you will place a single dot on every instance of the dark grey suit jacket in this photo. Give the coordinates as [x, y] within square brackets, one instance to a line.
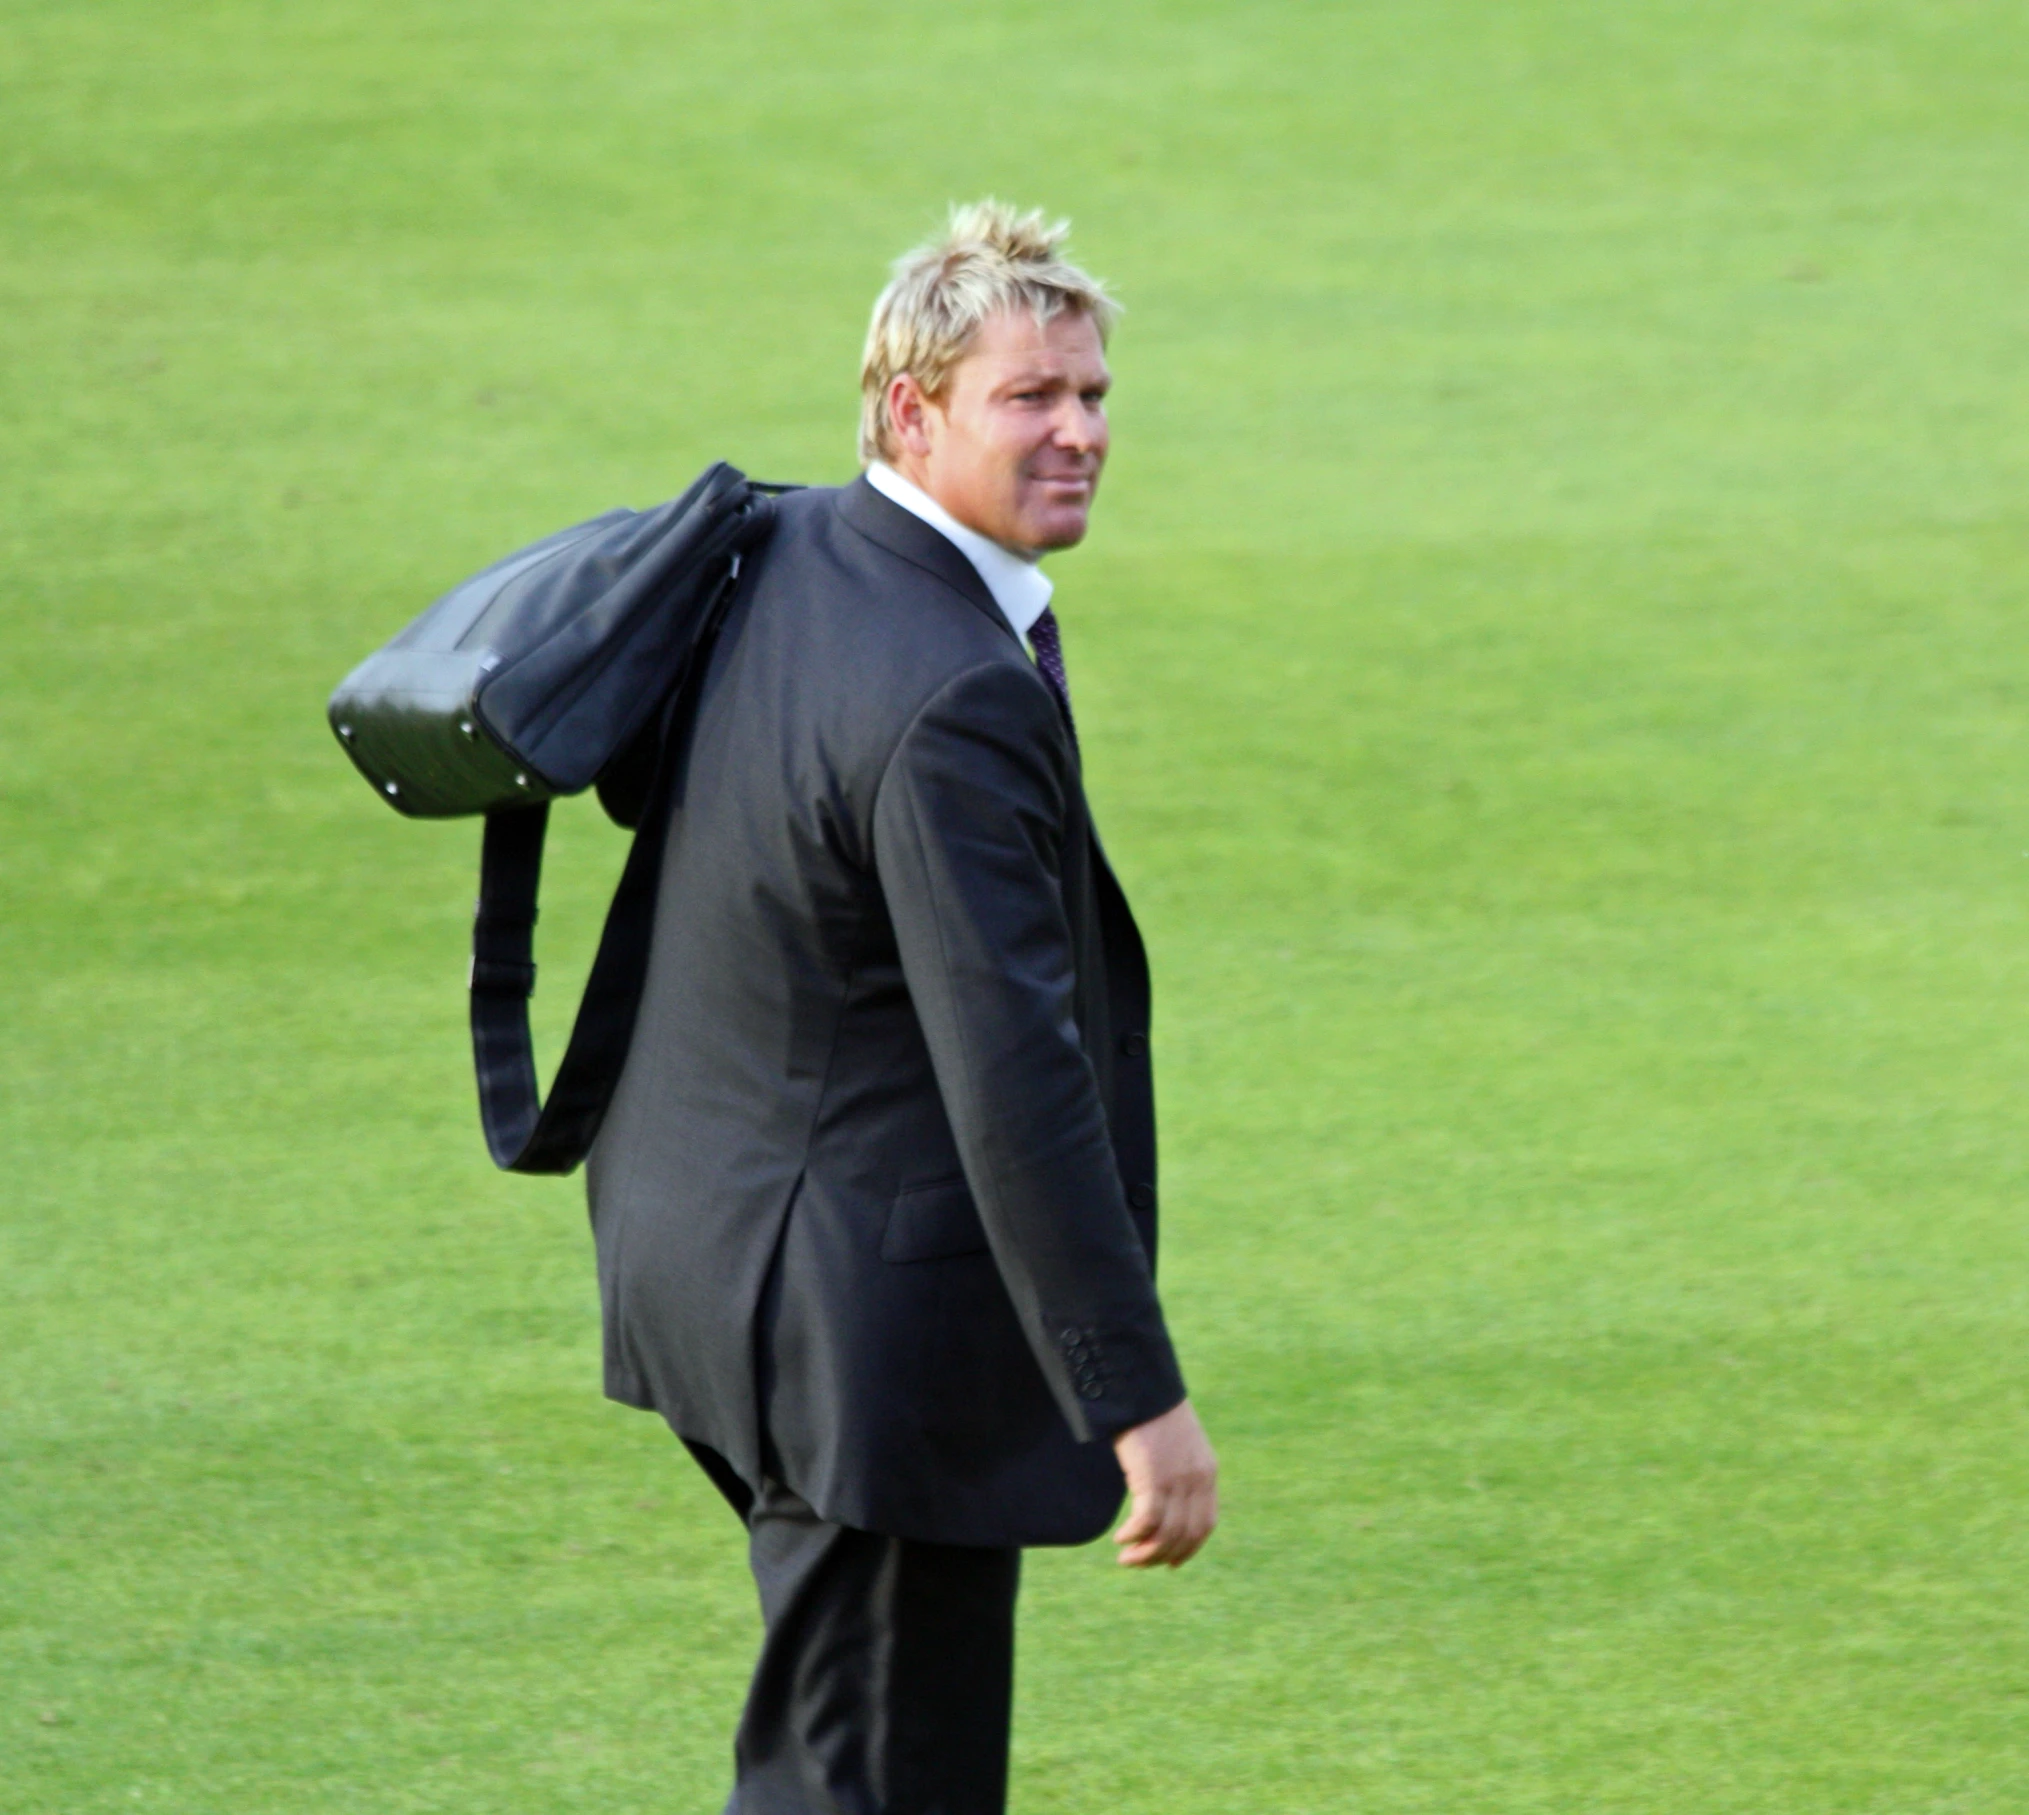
[875, 1198]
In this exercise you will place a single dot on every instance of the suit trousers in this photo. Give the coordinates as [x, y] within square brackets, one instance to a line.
[885, 1684]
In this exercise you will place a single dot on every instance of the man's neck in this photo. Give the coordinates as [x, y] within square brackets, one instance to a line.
[917, 473]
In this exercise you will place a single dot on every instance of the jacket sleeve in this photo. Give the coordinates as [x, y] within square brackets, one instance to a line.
[969, 823]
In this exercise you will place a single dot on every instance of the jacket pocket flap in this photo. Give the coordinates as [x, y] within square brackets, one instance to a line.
[933, 1222]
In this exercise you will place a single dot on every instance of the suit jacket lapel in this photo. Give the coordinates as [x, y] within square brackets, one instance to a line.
[902, 533]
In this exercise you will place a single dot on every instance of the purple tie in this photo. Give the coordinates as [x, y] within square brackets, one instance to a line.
[1049, 648]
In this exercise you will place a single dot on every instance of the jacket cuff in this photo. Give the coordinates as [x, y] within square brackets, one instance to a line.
[1114, 1378]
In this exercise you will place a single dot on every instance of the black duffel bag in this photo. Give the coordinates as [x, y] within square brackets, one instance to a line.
[573, 663]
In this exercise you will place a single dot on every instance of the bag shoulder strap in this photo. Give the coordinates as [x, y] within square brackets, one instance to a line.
[525, 1132]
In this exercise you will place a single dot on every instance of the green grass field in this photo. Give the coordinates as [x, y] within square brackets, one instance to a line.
[1551, 663]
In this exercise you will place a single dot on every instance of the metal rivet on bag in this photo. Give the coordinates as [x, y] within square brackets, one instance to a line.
[521, 781]
[392, 789]
[465, 725]
[345, 731]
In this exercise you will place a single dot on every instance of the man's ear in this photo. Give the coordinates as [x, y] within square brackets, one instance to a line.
[909, 413]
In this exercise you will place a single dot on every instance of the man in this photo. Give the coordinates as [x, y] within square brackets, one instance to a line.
[875, 1199]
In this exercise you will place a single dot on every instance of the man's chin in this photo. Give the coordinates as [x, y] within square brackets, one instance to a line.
[1052, 530]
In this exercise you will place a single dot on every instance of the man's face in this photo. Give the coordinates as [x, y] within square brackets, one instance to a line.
[1014, 446]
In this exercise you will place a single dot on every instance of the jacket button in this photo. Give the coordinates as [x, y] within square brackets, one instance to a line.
[1142, 1197]
[1134, 1045]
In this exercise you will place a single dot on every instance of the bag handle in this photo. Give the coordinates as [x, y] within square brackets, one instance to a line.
[525, 1132]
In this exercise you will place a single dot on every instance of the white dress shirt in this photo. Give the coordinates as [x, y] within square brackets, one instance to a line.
[1020, 588]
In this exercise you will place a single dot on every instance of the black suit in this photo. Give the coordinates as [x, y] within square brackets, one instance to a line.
[875, 1199]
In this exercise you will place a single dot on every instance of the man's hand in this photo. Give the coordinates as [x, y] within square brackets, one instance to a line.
[1174, 1480]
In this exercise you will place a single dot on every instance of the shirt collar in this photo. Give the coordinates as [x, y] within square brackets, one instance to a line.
[1020, 588]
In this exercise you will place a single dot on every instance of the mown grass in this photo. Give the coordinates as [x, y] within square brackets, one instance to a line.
[1551, 666]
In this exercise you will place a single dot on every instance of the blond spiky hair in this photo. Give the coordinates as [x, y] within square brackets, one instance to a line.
[990, 258]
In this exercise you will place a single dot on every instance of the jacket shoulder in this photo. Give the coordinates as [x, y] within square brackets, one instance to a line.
[893, 625]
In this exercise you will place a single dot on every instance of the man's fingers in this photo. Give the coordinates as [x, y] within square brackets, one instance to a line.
[1143, 1521]
[1141, 1537]
[1196, 1513]
[1167, 1528]
[1196, 1530]
[1187, 1534]
[1173, 1478]
[1144, 1516]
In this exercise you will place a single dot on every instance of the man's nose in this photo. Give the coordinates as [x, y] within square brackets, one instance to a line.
[1080, 428]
